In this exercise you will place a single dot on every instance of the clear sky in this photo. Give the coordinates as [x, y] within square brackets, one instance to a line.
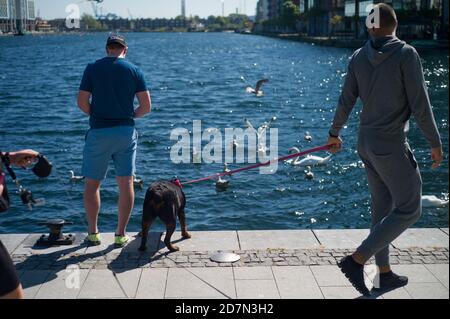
[50, 9]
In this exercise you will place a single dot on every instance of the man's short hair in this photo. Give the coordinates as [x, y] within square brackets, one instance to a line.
[388, 18]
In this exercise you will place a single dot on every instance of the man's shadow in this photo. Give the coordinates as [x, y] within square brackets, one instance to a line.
[128, 258]
[56, 264]
[376, 293]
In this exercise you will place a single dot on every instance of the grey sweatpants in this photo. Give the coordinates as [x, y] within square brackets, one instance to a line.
[395, 186]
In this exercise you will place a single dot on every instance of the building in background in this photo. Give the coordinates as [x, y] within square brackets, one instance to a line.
[419, 19]
[17, 16]
[273, 9]
[183, 8]
[322, 15]
[262, 10]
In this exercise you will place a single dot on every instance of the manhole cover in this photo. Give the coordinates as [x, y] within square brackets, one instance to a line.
[225, 258]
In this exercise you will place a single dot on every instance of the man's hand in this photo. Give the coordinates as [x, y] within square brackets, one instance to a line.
[437, 155]
[336, 143]
[84, 101]
[22, 158]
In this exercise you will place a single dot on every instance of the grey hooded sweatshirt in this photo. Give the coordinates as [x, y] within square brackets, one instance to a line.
[386, 74]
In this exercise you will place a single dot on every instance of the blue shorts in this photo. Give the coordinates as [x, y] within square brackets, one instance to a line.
[118, 143]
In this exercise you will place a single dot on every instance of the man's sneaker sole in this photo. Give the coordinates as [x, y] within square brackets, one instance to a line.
[365, 292]
[390, 288]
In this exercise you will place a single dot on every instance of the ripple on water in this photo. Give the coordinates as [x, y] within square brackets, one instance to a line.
[198, 77]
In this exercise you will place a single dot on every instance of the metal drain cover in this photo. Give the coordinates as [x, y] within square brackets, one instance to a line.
[225, 258]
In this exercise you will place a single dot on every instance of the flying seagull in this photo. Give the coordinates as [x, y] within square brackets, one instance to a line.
[257, 90]
[262, 129]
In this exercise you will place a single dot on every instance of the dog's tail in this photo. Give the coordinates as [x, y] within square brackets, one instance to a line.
[154, 199]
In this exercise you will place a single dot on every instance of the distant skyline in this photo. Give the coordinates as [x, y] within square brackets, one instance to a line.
[51, 9]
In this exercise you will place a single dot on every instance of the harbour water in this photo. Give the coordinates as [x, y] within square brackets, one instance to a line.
[198, 77]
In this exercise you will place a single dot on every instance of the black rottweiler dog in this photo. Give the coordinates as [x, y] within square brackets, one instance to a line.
[167, 201]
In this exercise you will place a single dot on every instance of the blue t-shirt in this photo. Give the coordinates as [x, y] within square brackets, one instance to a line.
[113, 83]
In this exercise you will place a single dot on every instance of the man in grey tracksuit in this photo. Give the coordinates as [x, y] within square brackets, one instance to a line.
[386, 74]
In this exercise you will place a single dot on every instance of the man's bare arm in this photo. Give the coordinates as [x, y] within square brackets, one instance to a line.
[145, 104]
[83, 102]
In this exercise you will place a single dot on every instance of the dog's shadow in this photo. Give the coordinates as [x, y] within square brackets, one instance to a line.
[130, 257]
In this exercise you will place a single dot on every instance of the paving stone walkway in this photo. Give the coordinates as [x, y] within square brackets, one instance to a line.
[274, 264]
[252, 258]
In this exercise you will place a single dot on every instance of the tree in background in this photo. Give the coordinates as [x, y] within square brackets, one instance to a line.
[290, 14]
[90, 23]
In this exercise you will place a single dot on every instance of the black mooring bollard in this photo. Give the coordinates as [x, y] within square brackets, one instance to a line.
[55, 237]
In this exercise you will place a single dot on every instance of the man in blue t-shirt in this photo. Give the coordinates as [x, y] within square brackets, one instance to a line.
[107, 93]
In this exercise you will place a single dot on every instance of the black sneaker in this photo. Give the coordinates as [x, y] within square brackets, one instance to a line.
[391, 281]
[355, 274]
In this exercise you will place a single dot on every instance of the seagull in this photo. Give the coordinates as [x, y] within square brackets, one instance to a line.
[222, 184]
[257, 90]
[308, 137]
[226, 169]
[234, 144]
[196, 156]
[211, 130]
[308, 173]
[262, 129]
[74, 178]
[266, 125]
[309, 160]
[262, 151]
[433, 201]
[138, 182]
[249, 124]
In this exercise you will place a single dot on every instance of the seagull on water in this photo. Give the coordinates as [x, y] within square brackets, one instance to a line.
[221, 183]
[308, 173]
[74, 178]
[226, 169]
[138, 182]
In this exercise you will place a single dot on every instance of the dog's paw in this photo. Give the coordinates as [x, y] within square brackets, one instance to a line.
[186, 235]
[173, 248]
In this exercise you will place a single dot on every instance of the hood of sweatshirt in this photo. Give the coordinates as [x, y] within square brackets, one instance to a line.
[379, 49]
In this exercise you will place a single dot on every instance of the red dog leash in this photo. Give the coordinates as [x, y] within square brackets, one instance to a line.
[275, 160]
